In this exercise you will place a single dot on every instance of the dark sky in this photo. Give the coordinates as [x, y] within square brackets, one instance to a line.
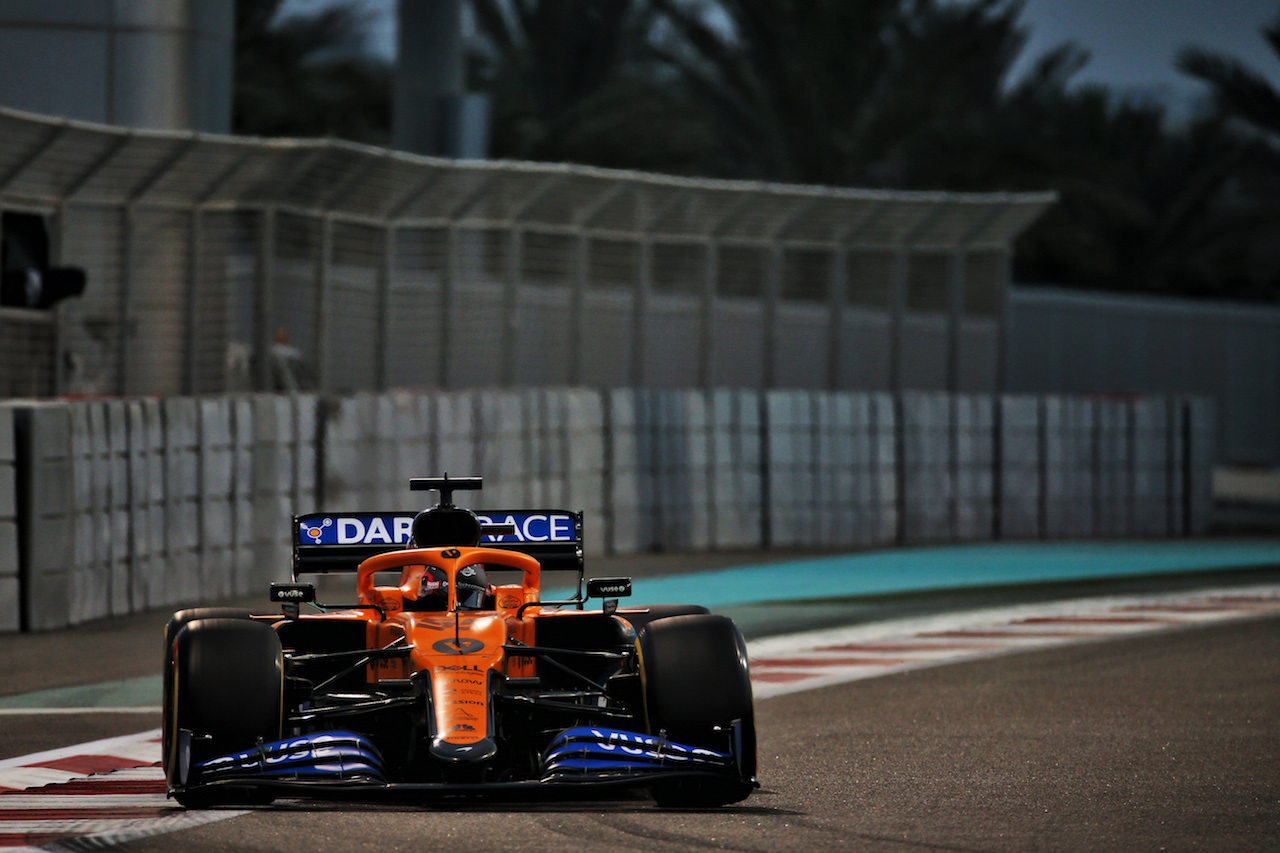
[1132, 42]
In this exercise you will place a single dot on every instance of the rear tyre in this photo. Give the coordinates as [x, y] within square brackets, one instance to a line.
[697, 681]
[227, 690]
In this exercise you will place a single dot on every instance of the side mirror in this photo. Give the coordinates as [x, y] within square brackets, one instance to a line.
[291, 596]
[293, 593]
[608, 587]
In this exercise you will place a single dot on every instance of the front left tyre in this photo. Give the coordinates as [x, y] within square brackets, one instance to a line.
[697, 691]
[227, 692]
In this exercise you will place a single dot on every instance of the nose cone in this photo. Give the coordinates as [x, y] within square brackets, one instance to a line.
[477, 752]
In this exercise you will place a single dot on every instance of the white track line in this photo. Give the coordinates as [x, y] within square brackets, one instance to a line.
[107, 791]
[796, 662]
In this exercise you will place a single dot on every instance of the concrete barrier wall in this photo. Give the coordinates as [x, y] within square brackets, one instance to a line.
[584, 473]
[47, 507]
[1200, 441]
[1019, 468]
[10, 591]
[734, 471]
[130, 505]
[1113, 486]
[973, 515]
[110, 507]
[1067, 437]
[927, 467]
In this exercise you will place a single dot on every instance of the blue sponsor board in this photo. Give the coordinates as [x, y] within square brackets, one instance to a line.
[532, 526]
[397, 528]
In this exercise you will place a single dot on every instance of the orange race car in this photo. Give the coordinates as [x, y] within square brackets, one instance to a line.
[453, 675]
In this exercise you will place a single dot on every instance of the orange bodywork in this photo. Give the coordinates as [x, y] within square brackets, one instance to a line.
[458, 648]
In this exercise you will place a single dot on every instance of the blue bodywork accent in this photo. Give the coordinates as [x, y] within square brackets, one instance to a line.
[327, 755]
[586, 752]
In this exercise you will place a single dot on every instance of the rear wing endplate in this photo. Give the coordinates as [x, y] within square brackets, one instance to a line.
[338, 542]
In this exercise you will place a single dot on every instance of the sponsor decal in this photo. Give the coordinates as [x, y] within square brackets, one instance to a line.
[397, 528]
[509, 602]
[451, 553]
[390, 529]
[533, 527]
[316, 531]
[458, 646]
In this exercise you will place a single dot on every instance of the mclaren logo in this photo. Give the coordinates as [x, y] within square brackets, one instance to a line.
[458, 646]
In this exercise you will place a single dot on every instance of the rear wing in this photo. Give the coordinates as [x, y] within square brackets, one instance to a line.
[338, 542]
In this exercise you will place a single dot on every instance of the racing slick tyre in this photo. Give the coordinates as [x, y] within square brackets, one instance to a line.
[696, 685]
[171, 629]
[661, 611]
[227, 691]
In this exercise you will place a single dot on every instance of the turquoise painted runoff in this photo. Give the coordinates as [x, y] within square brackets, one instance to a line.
[129, 693]
[866, 573]
[950, 567]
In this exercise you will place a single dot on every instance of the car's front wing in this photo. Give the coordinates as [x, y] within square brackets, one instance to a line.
[347, 765]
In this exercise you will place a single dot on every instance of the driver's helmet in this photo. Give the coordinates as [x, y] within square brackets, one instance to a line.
[473, 587]
[433, 591]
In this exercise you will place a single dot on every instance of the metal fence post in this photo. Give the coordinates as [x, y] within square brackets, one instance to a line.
[125, 297]
[836, 302]
[510, 308]
[265, 319]
[772, 294]
[448, 280]
[385, 274]
[897, 315]
[577, 306]
[640, 310]
[323, 306]
[706, 315]
[195, 245]
[955, 308]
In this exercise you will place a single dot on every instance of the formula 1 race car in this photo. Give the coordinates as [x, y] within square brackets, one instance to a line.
[452, 675]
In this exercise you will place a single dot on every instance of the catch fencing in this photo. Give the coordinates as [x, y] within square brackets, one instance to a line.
[222, 264]
[117, 506]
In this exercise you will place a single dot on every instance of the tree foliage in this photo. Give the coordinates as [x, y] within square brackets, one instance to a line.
[308, 75]
[572, 81]
[904, 94]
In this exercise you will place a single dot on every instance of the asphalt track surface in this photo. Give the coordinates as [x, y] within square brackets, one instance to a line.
[1169, 740]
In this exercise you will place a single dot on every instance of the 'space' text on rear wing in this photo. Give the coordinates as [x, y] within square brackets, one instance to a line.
[338, 542]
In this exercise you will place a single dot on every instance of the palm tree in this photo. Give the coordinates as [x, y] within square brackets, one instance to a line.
[1243, 93]
[839, 91]
[308, 75]
[1238, 89]
[569, 80]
